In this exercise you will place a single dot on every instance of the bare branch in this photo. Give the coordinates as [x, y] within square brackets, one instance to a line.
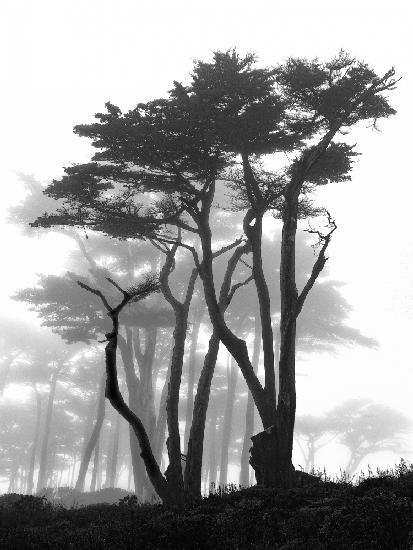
[194, 253]
[246, 264]
[97, 292]
[324, 240]
[112, 282]
[191, 286]
[235, 287]
[227, 247]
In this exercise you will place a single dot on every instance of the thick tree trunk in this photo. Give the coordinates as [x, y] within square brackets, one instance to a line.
[193, 469]
[192, 367]
[249, 414]
[30, 475]
[232, 377]
[44, 454]
[174, 470]
[94, 436]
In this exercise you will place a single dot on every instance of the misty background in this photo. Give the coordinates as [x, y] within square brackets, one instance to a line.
[62, 62]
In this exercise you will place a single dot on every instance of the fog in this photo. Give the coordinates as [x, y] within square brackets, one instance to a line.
[353, 372]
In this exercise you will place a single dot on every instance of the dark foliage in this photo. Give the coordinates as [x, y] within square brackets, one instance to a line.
[375, 514]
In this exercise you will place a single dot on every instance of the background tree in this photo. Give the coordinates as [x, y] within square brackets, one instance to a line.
[362, 426]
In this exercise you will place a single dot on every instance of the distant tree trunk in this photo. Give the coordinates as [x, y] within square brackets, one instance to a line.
[30, 475]
[311, 454]
[88, 427]
[94, 436]
[13, 477]
[354, 461]
[145, 362]
[192, 367]
[213, 458]
[113, 462]
[72, 473]
[41, 480]
[145, 359]
[130, 475]
[95, 482]
[232, 377]
[6, 370]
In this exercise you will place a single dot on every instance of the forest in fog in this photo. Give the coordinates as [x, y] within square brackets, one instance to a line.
[197, 279]
[60, 432]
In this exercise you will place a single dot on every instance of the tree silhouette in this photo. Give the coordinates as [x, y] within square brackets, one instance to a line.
[155, 174]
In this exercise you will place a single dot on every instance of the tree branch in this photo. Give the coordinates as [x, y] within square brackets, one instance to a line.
[97, 292]
[319, 264]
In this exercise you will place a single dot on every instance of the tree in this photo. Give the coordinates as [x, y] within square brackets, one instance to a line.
[182, 147]
[359, 424]
[365, 428]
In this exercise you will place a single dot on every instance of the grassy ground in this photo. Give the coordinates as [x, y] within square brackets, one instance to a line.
[376, 513]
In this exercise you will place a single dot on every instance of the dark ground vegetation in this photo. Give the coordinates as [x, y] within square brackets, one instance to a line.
[375, 513]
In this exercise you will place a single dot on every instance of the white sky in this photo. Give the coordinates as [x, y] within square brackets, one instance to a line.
[62, 60]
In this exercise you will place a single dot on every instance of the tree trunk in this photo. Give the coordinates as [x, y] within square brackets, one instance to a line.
[249, 414]
[13, 477]
[213, 462]
[134, 393]
[174, 470]
[113, 462]
[94, 436]
[146, 407]
[193, 469]
[173, 473]
[112, 392]
[72, 475]
[145, 362]
[43, 467]
[161, 421]
[192, 367]
[30, 475]
[232, 377]
[94, 484]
